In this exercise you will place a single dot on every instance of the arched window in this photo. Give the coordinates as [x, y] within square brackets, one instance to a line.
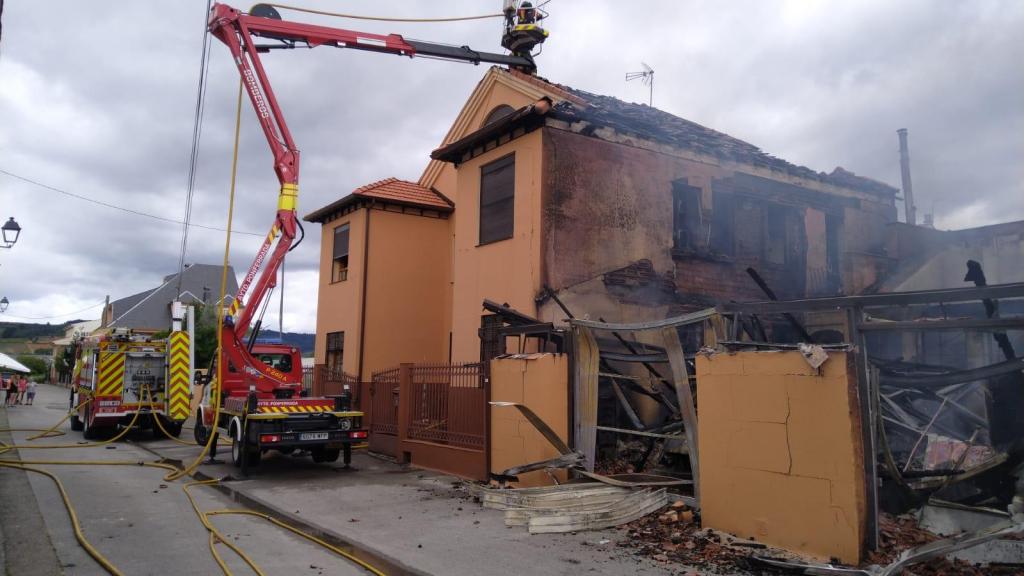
[500, 111]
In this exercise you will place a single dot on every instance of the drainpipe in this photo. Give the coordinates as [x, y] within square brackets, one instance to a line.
[366, 274]
[908, 188]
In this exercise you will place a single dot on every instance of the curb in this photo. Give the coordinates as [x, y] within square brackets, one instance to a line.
[379, 560]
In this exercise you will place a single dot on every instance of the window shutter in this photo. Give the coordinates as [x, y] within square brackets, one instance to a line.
[341, 241]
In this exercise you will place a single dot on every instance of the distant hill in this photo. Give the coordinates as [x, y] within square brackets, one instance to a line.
[304, 342]
[29, 331]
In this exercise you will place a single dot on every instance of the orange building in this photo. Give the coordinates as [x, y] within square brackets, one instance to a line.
[624, 211]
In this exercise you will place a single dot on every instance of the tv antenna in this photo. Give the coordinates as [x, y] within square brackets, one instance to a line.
[647, 77]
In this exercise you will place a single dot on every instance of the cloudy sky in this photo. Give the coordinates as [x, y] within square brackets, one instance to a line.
[97, 99]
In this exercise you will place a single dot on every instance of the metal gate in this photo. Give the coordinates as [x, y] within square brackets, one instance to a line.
[382, 410]
[433, 416]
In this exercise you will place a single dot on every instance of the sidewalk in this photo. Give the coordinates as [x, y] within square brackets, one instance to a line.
[421, 521]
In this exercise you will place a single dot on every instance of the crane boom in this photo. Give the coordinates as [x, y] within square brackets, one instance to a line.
[237, 30]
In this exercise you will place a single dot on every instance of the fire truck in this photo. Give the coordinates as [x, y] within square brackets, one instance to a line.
[120, 373]
[260, 404]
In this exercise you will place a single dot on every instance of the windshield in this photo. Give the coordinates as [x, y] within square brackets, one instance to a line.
[282, 362]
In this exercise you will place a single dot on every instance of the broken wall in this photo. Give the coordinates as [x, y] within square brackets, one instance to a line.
[781, 458]
[627, 226]
[541, 382]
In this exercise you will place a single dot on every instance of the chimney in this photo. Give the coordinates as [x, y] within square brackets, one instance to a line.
[908, 188]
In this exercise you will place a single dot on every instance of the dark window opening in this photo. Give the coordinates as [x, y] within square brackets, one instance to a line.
[492, 343]
[685, 217]
[723, 228]
[499, 112]
[497, 200]
[335, 353]
[775, 234]
[339, 262]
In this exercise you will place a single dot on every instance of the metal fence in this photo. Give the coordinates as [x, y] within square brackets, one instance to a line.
[432, 415]
[448, 404]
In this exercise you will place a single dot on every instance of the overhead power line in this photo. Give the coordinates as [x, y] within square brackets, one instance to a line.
[100, 303]
[385, 18]
[121, 208]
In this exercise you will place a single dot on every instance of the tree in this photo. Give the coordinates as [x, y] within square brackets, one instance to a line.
[206, 335]
[38, 366]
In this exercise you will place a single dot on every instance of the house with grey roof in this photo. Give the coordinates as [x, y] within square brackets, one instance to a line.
[151, 309]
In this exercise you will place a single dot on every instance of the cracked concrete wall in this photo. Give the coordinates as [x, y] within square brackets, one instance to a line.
[780, 452]
[541, 382]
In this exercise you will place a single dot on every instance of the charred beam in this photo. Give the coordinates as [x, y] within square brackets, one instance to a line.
[771, 296]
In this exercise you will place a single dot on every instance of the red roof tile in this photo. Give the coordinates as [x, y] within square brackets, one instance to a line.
[404, 191]
[388, 190]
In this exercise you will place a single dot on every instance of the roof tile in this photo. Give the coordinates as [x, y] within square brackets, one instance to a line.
[403, 191]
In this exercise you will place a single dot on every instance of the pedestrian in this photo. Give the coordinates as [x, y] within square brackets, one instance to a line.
[12, 392]
[30, 392]
[22, 385]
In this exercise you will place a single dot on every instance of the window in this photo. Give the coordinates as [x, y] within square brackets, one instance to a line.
[723, 229]
[492, 343]
[775, 234]
[497, 200]
[339, 263]
[282, 362]
[500, 112]
[335, 353]
[685, 217]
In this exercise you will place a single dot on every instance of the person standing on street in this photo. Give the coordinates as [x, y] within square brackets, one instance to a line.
[12, 391]
[22, 384]
[30, 391]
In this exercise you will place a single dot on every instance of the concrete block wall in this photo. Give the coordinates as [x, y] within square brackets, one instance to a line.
[780, 453]
[541, 382]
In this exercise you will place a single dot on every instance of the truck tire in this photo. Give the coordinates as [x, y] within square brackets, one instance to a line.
[89, 430]
[254, 456]
[200, 433]
[76, 422]
[173, 428]
[321, 454]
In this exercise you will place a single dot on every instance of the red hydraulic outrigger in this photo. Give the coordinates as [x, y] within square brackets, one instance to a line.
[255, 386]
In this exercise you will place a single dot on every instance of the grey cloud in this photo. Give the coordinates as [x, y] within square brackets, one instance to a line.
[818, 84]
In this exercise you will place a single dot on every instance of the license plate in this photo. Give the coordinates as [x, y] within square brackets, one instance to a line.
[314, 436]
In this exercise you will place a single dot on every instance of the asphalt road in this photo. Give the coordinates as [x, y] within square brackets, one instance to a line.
[141, 523]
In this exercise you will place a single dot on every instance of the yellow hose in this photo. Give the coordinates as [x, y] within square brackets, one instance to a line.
[298, 532]
[52, 430]
[215, 396]
[79, 535]
[214, 533]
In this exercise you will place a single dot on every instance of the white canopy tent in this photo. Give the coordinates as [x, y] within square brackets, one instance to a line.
[8, 363]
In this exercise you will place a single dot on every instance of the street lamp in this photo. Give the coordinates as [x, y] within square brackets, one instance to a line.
[11, 230]
[4, 302]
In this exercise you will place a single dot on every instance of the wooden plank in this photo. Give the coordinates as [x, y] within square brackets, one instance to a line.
[681, 380]
[587, 357]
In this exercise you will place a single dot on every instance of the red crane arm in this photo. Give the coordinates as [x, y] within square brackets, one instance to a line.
[237, 30]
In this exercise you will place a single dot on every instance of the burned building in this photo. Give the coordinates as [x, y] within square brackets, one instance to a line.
[622, 210]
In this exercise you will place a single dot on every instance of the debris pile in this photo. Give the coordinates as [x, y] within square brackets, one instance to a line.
[899, 533]
[572, 507]
[675, 536]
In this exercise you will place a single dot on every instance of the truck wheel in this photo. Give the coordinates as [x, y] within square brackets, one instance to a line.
[321, 454]
[76, 422]
[254, 456]
[89, 429]
[173, 428]
[200, 433]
